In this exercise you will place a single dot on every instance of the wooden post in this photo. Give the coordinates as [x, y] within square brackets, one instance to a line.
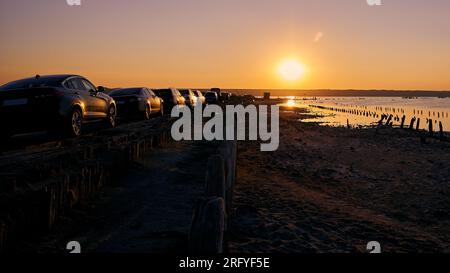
[418, 124]
[441, 130]
[380, 122]
[215, 177]
[411, 124]
[389, 120]
[207, 227]
[403, 122]
[430, 127]
[228, 151]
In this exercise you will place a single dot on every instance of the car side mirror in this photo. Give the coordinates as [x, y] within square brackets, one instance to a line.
[101, 89]
[93, 92]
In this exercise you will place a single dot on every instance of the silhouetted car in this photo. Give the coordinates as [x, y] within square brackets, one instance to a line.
[224, 96]
[200, 97]
[217, 90]
[55, 103]
[189, 96]
[137, 101]
[211, 97]
[248, 99]
[171, 97]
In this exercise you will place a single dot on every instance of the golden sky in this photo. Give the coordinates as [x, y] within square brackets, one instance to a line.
[343, 44]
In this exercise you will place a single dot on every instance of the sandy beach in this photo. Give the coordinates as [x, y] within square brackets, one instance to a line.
[335, 189]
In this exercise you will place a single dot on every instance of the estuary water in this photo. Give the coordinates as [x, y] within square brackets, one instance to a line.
[367, 111]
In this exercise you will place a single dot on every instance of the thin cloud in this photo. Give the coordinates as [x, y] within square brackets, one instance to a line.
[318, 37]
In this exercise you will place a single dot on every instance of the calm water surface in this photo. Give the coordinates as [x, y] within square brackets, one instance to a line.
[367, 111]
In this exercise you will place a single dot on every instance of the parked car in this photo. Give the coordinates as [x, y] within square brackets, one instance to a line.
[137, 101]
[55, 102]
[211, 97]
[217, 90]
[200, 97]
[224, 96]
[189, 96]
[248, 99]
[171, 97]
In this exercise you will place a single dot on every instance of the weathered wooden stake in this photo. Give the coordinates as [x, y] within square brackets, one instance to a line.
[411, 124]
[403, 122]
[388, 122]
[207, 228]
[430, 127]
[215, 177]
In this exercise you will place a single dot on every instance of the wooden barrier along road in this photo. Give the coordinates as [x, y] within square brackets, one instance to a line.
[212, 212]
[39, 184]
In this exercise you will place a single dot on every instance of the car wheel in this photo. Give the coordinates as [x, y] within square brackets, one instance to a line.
[112, 116]
[147, 112]
[75, 123]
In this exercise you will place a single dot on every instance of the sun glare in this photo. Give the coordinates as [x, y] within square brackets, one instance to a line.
[291, 103]
[291, 70]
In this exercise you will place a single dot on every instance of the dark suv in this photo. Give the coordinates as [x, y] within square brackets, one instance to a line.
[57, 102]
[171, 98]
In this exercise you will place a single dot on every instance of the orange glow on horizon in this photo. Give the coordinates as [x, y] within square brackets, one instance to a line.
[230, 44]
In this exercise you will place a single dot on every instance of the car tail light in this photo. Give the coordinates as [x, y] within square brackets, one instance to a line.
[58, 93]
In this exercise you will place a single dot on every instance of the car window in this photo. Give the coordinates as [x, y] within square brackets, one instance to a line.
[151, 92]
[33, 83]
[88, 85]
[125, 92]
[165, 94]
[78, 84]
[147, 92]
[69, 84]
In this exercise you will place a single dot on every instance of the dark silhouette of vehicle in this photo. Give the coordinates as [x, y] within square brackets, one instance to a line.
[137, 101]
[171, 97]
[248, 99]
[200, 97]
[189, 96]
[211, 97]
[224, 96]
[217, 90]
[57, 103]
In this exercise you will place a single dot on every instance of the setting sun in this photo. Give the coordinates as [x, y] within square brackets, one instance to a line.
[291, 70]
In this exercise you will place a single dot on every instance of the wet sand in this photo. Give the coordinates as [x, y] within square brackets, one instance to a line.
[334, 190]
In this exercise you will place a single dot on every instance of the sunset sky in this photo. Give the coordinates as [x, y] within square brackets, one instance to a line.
[340, 44]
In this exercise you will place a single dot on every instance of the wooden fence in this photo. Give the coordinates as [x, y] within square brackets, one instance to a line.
[212, 213]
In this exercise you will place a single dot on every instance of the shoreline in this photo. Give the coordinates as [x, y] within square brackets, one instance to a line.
[333, 189]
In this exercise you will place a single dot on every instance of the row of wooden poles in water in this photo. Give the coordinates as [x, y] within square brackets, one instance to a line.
[365, 110]
[418, 112]
[388, 119]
